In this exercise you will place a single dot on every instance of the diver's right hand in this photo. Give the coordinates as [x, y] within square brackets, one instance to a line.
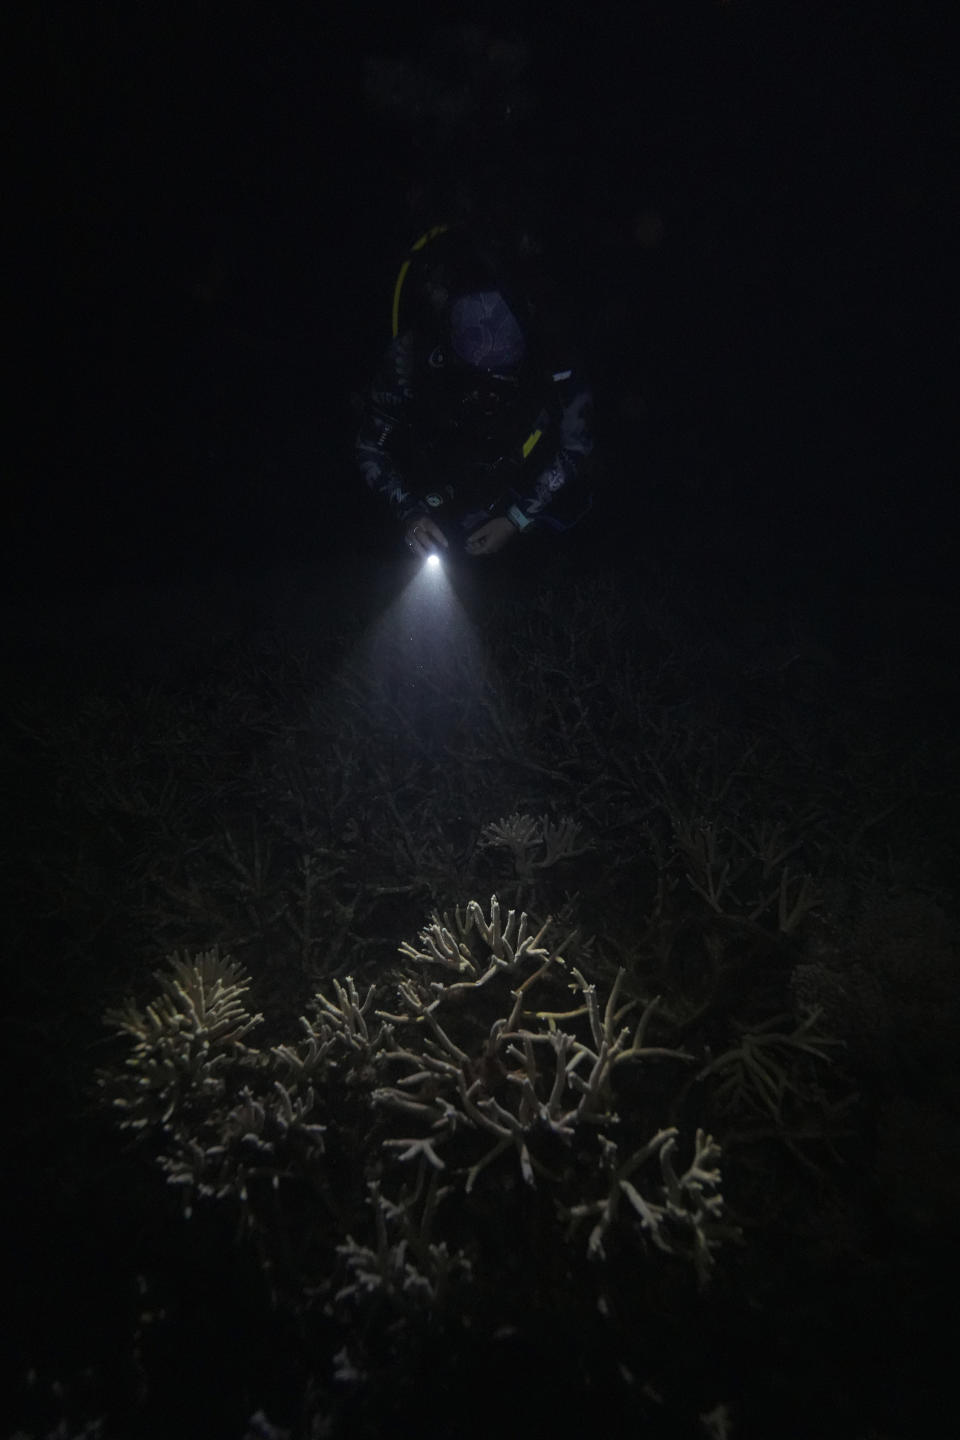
[424, 536]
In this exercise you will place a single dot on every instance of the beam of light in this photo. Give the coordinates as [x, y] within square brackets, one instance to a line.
[424, 652]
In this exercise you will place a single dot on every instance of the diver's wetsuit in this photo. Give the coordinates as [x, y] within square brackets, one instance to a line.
[427, 450]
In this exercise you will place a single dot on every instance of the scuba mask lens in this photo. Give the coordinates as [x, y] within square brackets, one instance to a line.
[487, 396]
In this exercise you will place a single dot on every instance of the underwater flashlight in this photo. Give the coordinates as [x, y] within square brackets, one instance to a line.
[433, 561]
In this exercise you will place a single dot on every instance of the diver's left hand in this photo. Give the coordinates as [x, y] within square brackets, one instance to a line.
[491, 536]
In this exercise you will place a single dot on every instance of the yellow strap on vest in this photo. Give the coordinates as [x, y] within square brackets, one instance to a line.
[425, 239]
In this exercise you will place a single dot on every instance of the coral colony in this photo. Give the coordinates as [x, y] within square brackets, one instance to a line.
[492, 1050]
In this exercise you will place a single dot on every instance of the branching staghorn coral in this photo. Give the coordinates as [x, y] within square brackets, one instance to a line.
[613, 1045]
[223, 1119]
[745, 874]
[404, 1266]
[338, 1039]
[490, 1061]
[237, 1147]
[183, 1040]
[770, 1068]
[507, 941]
[686, 1220]
[524, 835]
[538, 1079]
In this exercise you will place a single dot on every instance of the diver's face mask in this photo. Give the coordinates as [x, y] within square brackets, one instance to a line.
[476, 399]
[486, 397]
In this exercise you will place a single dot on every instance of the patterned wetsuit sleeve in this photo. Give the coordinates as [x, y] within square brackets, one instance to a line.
[384, 440]
[569, 460]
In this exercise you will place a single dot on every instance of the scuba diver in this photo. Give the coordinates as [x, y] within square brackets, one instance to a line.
[478, 426]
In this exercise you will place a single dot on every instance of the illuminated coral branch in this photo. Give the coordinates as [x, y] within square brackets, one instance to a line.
[612, 1046]
[460, 1072]
[507, 941]
[346, 1018]
[519, 834]
[239, 1146]
[184, 1039]
[226, 1121]
[404, 1266]
[524, 835]
[528, 1077]
[337, 1038]
[441, 947]
[686, 1220]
